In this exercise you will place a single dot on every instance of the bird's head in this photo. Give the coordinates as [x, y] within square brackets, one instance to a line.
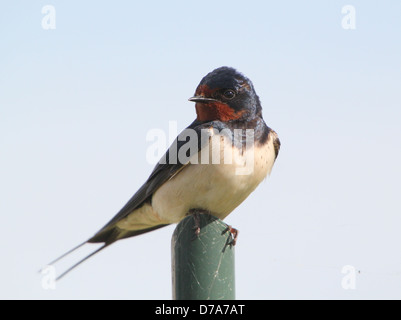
[225, 94]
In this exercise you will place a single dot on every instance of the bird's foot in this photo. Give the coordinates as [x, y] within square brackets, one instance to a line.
[196, 227]
[234, 233]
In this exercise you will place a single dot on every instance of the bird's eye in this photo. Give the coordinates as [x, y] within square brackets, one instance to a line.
[229, 94]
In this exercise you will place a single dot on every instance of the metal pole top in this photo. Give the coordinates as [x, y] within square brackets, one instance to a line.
[202, 262]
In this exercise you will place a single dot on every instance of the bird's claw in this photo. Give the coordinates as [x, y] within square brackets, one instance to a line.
[234, 235]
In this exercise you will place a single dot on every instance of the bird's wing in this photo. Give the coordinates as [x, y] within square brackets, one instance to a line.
[169, 166]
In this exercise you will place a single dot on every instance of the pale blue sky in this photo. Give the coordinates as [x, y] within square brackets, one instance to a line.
[76, 104]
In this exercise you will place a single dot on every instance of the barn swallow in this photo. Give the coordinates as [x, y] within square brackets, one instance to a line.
[225, 103]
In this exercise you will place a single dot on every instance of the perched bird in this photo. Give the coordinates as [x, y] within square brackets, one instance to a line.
[213, 165]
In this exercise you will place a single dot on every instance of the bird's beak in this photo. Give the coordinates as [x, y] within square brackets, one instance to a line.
[201, 99]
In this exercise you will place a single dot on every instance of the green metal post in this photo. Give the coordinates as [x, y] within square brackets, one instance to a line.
[202, 262]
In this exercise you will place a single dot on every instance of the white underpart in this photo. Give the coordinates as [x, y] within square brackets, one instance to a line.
[214, 187]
